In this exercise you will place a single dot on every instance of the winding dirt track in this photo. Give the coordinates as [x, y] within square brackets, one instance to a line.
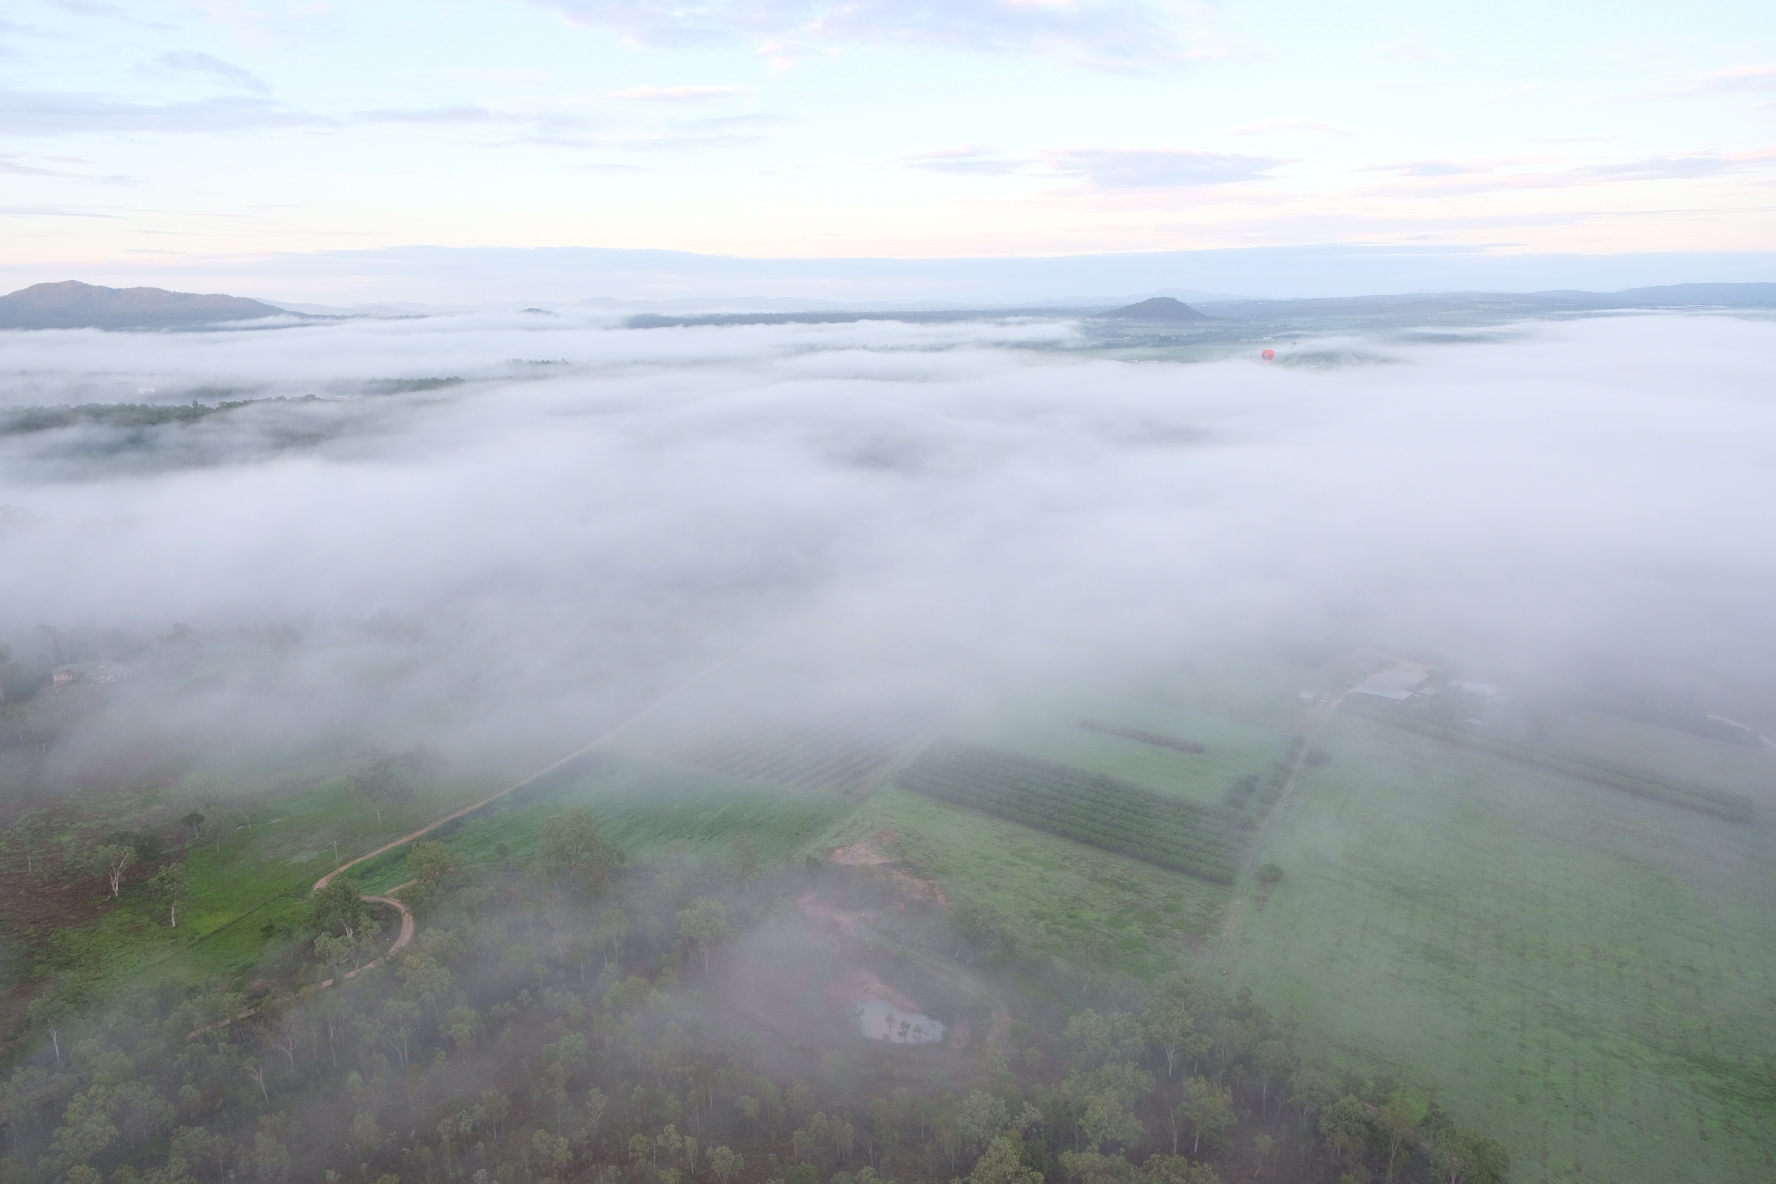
[408, 925]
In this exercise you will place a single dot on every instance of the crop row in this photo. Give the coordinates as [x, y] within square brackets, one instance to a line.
[1733, 807]
[1087, 807]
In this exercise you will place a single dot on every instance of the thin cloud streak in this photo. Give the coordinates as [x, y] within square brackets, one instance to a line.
[1105, 33]
[1102, 168]
[1158, 168]
[191, 62]
[67, 113]
[678, 94]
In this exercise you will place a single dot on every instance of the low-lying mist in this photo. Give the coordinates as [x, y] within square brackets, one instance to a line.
[500, 535]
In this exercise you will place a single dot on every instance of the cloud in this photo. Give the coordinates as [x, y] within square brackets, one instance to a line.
[1108, 33]
[1283, 126]
[51, 211]
[969, 159]
[51, 113]
[63, 113]
[723, 131]
[679, 94]
[1739, 80]
[96, 8]
[443, 115]
[503, 565]
[1432, 177]
[1157, 168]
[14, 166]
[1105, 168]
[1678, 166]
[1406, 51]
[1422, 168]
[190, 62]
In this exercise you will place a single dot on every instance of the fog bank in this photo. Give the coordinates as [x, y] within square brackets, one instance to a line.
[499, 533]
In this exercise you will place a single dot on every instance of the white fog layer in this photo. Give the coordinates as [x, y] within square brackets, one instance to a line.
[508, 562]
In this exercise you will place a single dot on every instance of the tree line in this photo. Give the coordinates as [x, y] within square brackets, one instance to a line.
[564, 1017]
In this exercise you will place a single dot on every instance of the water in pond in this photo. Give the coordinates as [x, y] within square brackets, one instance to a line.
[880, 1020]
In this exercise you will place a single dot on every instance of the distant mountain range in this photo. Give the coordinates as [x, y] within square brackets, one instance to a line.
[74, 305]
[71, 304]
[1160, 308]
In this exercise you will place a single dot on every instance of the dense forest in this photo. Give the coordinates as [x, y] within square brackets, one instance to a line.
[573, 1016]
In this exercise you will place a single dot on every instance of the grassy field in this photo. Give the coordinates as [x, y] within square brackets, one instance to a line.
[1668, 753]
[1238, 712]
[1054, 896]
[1587, 975]
[246, 892]
[647, 810]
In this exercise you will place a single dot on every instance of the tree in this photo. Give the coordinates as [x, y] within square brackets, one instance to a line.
[1399, 1127]
[1175, 1169]
[981, 1118]
[704, 925]
[1168, 1025]
[1461, 1156]
[1311, 1090]
[146, 843]
[87, 1129]
[111, 861]
[193, 822]
[572, 843]
[1003, 1163]
[366, 1133]
[431, 863]
[1208, 1108]
[1271, 1059]
[726, 1164]
[170, 885]
[382, 776]
[1345, 1123]
[271, 1159]
[1092, 1167]
[1092, 1040]
[553, 1153]
[1265, 1148]
[612, 930]
[51, 1009]
[426, 979]
[30, 831]
[339, 907]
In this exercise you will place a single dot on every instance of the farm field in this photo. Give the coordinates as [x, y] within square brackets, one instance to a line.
[248, 892]
[1115, 815]
[1231, 749]
[1051, 895]
[1586, 974]
[1666, 752]
[646, 809]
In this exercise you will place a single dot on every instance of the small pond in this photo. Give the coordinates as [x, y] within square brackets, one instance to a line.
[881, 1020]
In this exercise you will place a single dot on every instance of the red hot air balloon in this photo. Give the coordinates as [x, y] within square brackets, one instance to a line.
[1269, 355]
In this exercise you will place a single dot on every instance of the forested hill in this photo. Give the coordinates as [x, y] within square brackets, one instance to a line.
[71, 304]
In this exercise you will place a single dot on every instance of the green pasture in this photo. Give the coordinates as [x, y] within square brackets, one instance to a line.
[647, 810]
[1231, 749]
[1052, 895]
[1238, 711]
[1667, 752]
[1587, 975]
[245, 890]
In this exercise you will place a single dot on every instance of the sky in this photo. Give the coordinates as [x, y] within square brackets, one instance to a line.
[138, 135]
